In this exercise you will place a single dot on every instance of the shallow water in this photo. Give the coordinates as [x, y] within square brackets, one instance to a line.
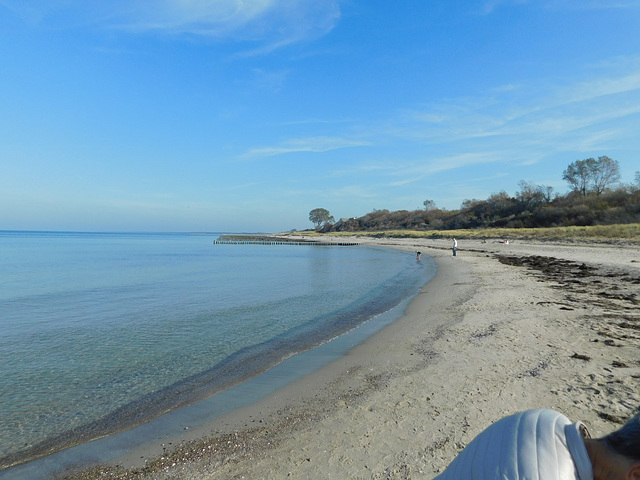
[101, 332]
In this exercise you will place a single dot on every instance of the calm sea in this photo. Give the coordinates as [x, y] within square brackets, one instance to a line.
[100, 332]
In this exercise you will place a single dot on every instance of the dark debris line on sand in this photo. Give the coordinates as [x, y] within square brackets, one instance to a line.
[612, 290]
[580, 278]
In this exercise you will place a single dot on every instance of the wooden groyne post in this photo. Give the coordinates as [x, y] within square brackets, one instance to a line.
[263, 240]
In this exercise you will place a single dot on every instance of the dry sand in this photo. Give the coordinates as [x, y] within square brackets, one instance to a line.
[502, 328]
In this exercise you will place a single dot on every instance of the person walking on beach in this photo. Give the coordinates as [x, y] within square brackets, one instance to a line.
[455, 246]
[545, 444]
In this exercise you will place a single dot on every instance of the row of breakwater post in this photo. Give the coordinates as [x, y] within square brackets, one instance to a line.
[266, 240]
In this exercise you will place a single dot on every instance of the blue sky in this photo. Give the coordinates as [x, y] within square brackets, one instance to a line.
[223, 115]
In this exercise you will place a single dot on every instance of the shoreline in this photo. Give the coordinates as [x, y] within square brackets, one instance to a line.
[274, 363]
[493, 333]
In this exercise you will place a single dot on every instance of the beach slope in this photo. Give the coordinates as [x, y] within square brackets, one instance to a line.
[501, 328]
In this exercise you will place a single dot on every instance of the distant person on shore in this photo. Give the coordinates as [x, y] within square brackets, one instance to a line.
[544, 444]
[418, 255]
[455, 246]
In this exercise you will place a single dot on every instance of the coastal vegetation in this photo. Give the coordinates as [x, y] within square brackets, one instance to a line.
[597, 233]
[596, 199]
[320, 216]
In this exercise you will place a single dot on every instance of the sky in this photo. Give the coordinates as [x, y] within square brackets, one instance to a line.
[245, 115]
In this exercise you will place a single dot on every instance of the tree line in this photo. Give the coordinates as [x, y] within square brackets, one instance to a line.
[596, 197]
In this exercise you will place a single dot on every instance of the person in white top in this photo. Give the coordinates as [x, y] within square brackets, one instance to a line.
[455, 246]
[545, 445]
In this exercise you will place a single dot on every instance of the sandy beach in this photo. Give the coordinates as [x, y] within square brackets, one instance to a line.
[502, 328]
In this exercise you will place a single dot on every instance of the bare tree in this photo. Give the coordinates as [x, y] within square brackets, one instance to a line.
[605, 174]
[533, 195]
[579, 173]
[592, 175]
[548, 193]
[429, 205]
[530, 194]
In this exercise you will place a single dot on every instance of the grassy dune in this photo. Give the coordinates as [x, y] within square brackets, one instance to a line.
[598, 233]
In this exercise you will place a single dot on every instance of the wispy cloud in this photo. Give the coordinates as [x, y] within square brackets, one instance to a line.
[418, 171]
[489, 6]
[312, 144]
[354, 191]
[278, 21]
[397, 172]
[273, 23]
[529, 113]
[601, 87]
[510, 126]
[364, 168]
[594, 4]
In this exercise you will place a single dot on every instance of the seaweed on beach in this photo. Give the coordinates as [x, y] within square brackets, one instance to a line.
[613, 288]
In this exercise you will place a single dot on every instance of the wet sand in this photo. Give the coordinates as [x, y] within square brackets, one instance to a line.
[502, 328]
